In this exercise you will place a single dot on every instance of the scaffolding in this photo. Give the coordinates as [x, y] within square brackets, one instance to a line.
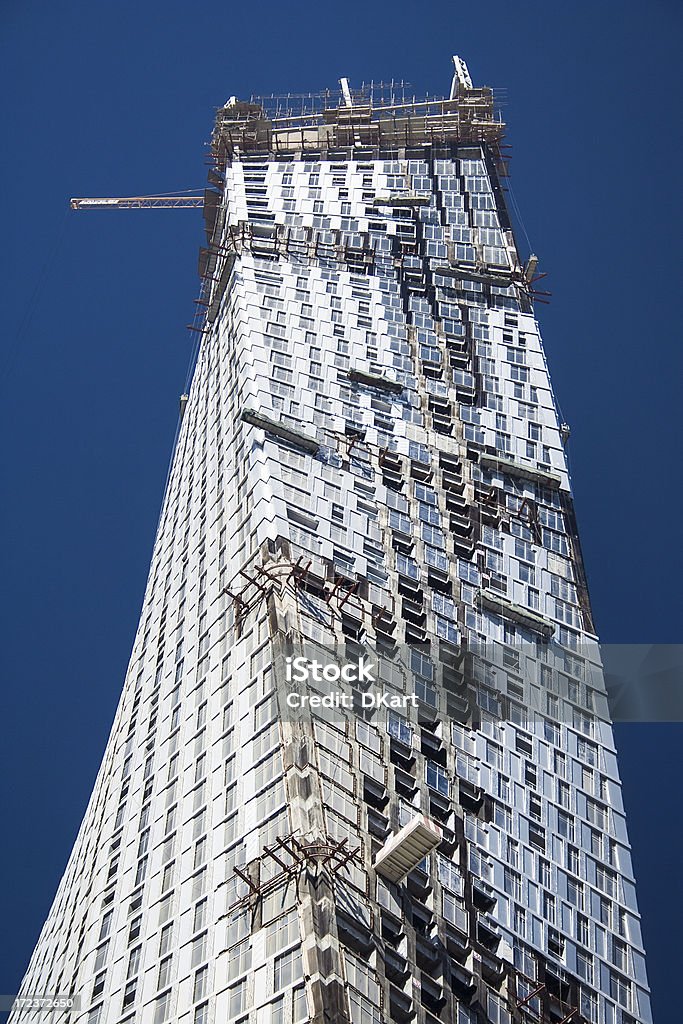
[381, 116]
[292, 855]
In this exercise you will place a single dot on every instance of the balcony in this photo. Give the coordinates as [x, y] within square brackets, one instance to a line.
[420, 472]
[452, 479]
[354, 934]
[432, 994]
[458, 707]
[419, 884]
[432, 747]
[471, 797]
[464, 547]
[454, 681]
[392, 929]
[413, 612]
[488, 935]
[483, 898]
[412, 593]
[415, 634]
[378, 824]
[428, 953]
[455, 502]
[462, 982]
[440, 580]
[405, 784]
[400, 1005]
[462, 526]
[401, 753]
[375, 794]
[449, 842]
[442, 424]
[439, 806]
[396, 967]
[493, 970]
[457, 941]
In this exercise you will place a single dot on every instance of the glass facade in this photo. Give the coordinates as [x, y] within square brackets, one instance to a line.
[370, 462]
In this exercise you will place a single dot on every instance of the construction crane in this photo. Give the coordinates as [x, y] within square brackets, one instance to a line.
[139, 203]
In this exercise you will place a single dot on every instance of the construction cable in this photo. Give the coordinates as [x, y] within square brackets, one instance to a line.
[33, 302]
[518, 215]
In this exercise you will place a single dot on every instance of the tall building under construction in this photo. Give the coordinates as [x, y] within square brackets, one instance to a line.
[362, 769]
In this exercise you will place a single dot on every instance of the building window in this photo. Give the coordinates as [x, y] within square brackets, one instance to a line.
[589, 1005]
[555, 943]
[165, 908]
[572, 859]
[437, 778]
[105, 927]
[164, 972]
[134, 961]
[512, 884]
[299, 1006]
[361, 978]
[536, 836]
[288, 968]
[101, 957]
[237, 999]
[201, 980]
[162, 1008]
[605, 880]
[239, 959]
[565, 825]
[549, 907]
[575, 893]
[282, 932]
[620, 954]
[519, 919]
[165, 939]
[584, 965]
[129, 994]
[200, 915]
[199, 948]
[620, 989]
[535, 806]
[201, 1014]
[399, 729]
[363, 1011]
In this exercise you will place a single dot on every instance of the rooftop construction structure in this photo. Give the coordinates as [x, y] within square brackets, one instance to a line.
[362, 769]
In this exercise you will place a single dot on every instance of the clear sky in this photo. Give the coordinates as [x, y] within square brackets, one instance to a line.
[117, 98]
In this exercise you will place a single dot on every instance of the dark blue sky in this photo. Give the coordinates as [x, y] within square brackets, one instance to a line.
[118, 99]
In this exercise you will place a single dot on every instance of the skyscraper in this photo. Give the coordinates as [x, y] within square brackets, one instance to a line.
[362, 768]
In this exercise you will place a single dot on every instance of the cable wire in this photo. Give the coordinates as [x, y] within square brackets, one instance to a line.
[33, 303]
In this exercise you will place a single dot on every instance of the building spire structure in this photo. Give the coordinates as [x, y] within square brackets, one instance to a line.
[362, 769]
